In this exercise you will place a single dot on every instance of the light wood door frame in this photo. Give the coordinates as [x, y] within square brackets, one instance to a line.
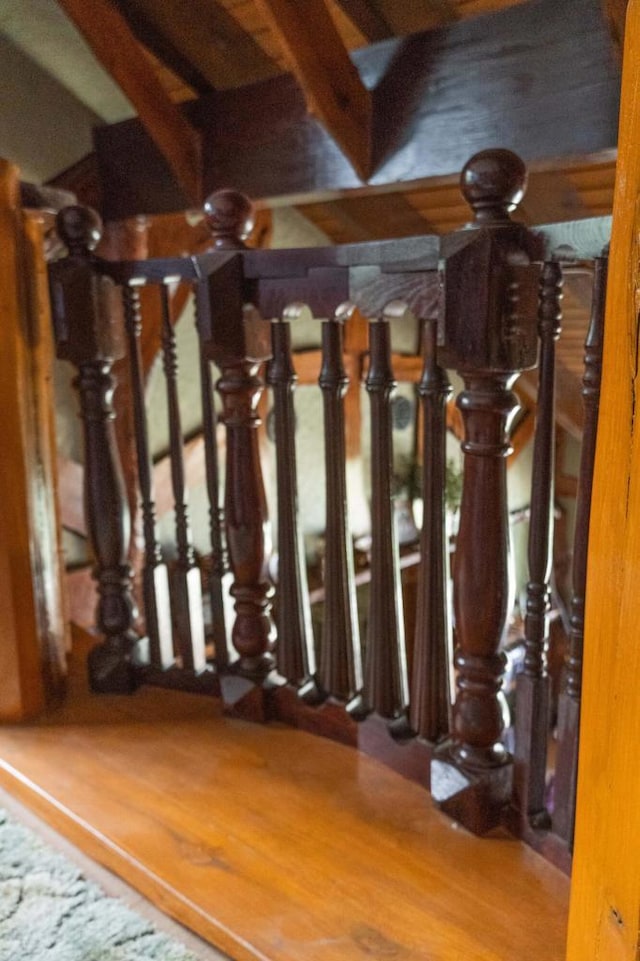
[604, 923]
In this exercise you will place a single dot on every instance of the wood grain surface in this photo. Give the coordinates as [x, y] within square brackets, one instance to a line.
[275, 845]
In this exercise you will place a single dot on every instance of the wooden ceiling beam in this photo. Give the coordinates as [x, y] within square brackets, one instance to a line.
[367, 18]
[115, 46]
[261, 139]
[208, 37]
[616, 13]
[162, 47]
[331, 84]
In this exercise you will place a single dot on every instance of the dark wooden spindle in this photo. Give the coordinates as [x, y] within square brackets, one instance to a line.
[84, 320]
[431, 680]
[340, 669]
[490, 321]
[532, 694]
[238, 341]
[295, 654]
[155, 580]
[220, 576]
[569, 702]
[187, 604]
[386, 686]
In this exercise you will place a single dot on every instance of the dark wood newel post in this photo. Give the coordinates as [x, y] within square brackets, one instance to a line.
[85, 309]
[239, 342]
[490, 310]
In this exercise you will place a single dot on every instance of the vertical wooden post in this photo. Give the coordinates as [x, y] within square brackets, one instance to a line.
[238, 341]
[188, 613]
[532, 714]
[340, 669]
[84, 321]
[295, 651]
[431, 695]
[490, 309]
[32, 657]
[385, 679]
[569, 702]
[220, 576]
[604, 920]
[155, 581]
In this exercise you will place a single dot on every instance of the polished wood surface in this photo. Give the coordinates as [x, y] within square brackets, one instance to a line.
[386, 681]
[276, 845]
[28, 545]
[604, 917]
[431, 681]
[295, 652]
[86, 333]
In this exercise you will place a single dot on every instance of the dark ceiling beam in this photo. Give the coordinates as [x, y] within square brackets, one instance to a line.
[366, 17]
[164, 49]
[540, 78]
[115, 46]
[209, 38]
[330, 81]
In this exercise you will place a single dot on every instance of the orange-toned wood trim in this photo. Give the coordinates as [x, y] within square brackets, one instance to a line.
[604, 920]
[114, 44]
[28, 547]
[331, 83]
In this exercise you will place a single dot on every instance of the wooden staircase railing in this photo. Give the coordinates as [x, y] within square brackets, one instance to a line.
[487, 298]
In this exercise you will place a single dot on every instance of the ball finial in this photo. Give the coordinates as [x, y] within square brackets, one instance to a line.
[79, 228]
[230, 217]
[493, 183]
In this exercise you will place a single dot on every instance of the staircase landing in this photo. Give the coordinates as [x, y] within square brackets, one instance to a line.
[275, 845]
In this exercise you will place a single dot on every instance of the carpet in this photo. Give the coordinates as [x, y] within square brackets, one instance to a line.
[50, 912]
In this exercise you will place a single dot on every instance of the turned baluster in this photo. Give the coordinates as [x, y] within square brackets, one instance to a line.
[189, 622]
[340, 669]
[431, 687]
[569, 702]
[385, 677]
[237, 339]
[220, 576]
[295, 648]
[85, 328]
[490, 310]
[155, 581]
[532, 693]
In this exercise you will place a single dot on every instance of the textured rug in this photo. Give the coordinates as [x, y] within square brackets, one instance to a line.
[50, 912]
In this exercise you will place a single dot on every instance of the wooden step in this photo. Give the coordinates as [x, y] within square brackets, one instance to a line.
[273, 844]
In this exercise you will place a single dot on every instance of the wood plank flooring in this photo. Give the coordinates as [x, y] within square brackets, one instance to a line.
[272, 844]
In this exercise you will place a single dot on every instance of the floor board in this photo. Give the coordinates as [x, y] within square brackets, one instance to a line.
[272, 844]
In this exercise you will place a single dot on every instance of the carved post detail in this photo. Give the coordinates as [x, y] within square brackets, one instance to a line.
[238, 341]
[295, 650]
[569, 704]
[385, 679]
[431, 683]
[532, 715]
[85, 308]
[490, 311]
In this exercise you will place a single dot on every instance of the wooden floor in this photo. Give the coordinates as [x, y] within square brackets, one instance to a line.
[272, 844]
